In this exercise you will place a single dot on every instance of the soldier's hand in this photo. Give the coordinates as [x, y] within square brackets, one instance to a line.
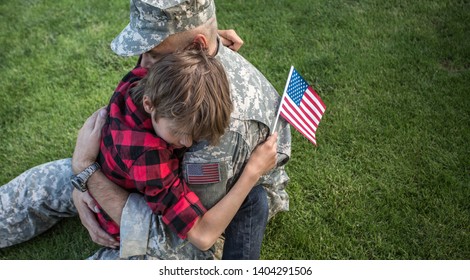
[230, 39]
[86, 208]
[88, 141]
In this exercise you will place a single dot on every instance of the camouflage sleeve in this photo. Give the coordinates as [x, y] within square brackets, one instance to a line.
[276, 181]
[143, 234]
[227, 159]
[232, 154]
[135, 223]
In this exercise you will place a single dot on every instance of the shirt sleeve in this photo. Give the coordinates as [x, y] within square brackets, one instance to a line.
[156, 174]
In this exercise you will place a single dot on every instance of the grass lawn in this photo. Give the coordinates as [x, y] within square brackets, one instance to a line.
[390, 178]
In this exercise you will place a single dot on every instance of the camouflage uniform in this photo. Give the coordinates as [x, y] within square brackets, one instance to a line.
[35, 201]
[142, 233]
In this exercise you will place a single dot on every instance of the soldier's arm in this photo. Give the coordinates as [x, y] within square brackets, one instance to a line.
[110, 196]
[211, 225]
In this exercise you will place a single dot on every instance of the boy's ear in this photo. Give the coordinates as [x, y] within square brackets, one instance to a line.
[148, 106]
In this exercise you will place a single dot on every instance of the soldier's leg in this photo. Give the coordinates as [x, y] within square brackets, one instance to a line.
[244, 234]
[35, 201]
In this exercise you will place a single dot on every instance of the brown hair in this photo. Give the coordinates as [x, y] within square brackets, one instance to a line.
[190, 88]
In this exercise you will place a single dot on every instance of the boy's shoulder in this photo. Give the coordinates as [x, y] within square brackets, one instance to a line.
[135, 74]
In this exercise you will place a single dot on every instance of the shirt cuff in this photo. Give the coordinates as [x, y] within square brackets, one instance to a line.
[135, 226]
[181, 217]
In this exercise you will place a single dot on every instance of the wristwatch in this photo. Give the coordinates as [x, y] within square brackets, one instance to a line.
[79, 180]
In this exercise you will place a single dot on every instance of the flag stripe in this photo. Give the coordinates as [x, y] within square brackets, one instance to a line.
[310, 98]
[318, 100]
[306, 113]
[300, 116]
[311, 125]
[292, 122]
[309, 113]
[293, 119]
[301, 106]
[293, 113]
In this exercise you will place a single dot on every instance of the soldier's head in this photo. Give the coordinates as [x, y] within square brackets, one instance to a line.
[160, 27]
[187, 96]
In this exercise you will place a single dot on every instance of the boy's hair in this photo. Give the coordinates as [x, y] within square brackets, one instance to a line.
[191, 89]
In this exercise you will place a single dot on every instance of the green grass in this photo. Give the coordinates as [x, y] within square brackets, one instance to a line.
[390, 177]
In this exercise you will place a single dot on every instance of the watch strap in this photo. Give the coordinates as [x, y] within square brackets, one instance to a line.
[79, 180]
[85, 174]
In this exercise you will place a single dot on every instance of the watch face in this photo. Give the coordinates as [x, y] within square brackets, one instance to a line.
[78, 183]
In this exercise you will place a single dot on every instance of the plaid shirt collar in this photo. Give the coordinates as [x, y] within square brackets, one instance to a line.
[137, 117]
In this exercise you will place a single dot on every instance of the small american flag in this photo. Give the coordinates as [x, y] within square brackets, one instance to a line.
[301, 106]
[202, 173]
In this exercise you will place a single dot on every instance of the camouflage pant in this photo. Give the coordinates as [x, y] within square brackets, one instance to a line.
[35, 201]
[39, 198]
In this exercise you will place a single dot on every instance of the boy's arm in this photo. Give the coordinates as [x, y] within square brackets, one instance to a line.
[211, 225]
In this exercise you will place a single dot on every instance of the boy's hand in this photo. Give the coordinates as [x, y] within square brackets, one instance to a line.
[264, 156]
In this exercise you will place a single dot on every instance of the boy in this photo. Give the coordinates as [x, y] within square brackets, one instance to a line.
[184, 97]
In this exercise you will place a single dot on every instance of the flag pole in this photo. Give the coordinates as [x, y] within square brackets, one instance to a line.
[282, 99]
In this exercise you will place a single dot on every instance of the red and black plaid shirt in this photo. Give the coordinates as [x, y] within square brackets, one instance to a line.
[135, 158]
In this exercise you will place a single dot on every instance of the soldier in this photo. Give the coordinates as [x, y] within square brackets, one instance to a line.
[155, 29]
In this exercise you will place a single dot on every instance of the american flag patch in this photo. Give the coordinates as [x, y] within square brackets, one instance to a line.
[203, 173]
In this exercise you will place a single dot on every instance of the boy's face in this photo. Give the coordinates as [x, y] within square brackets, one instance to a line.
[164, 129]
